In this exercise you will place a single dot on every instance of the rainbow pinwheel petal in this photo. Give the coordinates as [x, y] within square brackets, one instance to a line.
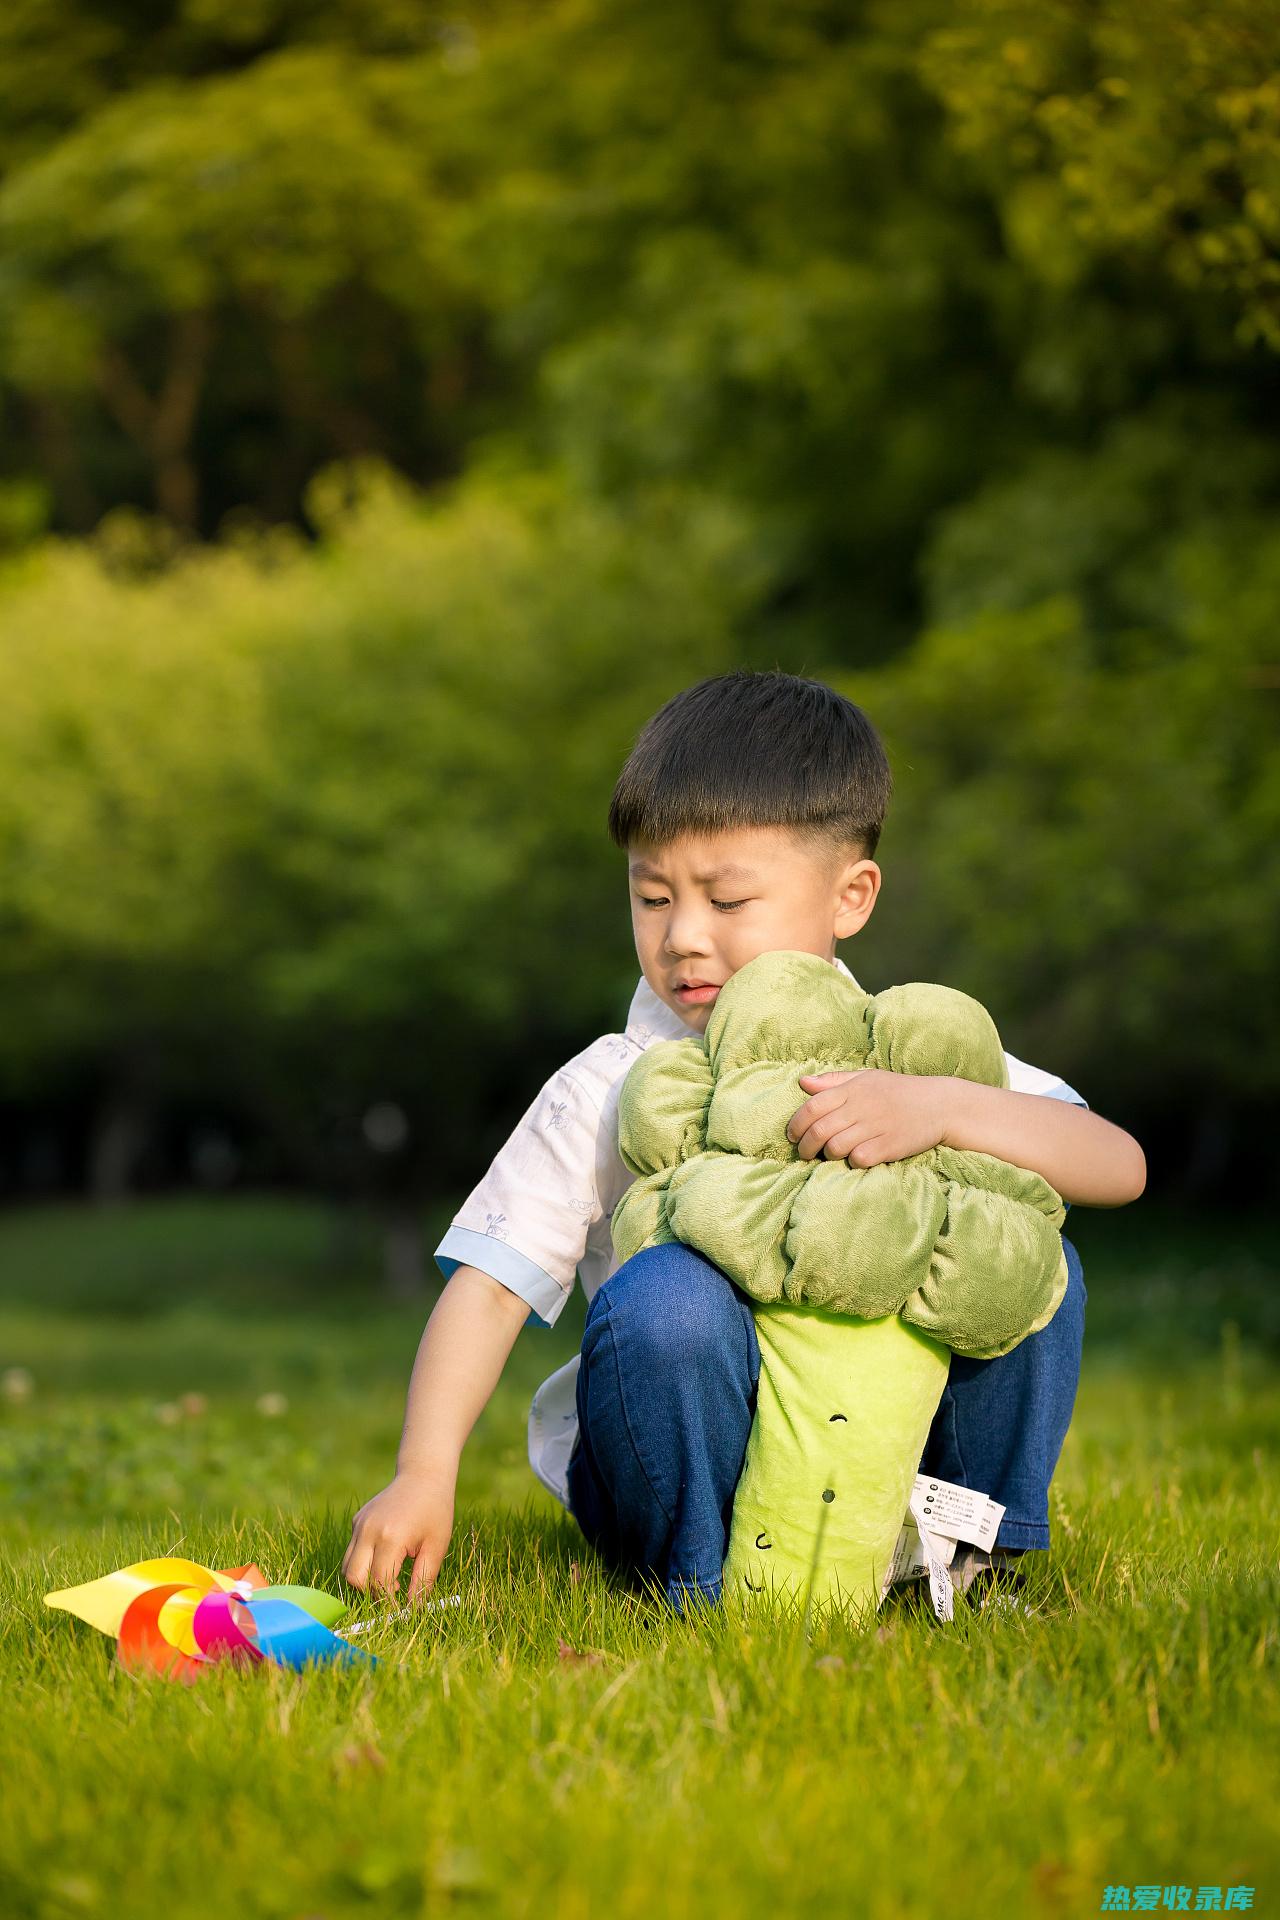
[178, 1619]
[292, 1637]
[143, 1645]
[223, 1629]
[104, 1603]
[324, 1607]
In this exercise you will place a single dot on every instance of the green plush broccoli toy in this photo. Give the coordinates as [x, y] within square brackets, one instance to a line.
[863, 1280]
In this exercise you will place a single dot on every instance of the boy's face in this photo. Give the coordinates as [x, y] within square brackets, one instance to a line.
[703, 906]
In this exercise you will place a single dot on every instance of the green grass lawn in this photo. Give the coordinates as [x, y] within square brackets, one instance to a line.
[553, 1746]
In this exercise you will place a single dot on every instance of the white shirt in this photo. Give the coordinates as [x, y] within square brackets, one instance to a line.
[542, 1212]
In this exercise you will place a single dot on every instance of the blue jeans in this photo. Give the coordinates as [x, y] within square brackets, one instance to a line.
[667, 1393]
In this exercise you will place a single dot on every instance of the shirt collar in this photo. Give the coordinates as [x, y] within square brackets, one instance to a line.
[649, 1018]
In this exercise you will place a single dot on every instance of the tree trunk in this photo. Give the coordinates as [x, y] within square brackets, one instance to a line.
[162, 425]
[55, 436]
[121, 1130]
[348, 428]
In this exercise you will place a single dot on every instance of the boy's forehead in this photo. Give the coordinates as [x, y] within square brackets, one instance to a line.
[737, 853]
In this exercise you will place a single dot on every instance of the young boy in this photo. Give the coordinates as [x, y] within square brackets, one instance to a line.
[750, 809]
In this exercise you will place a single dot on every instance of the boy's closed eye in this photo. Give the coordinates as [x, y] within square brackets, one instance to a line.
[724, 906]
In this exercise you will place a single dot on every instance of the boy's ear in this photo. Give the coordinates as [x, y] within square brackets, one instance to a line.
[858, 887]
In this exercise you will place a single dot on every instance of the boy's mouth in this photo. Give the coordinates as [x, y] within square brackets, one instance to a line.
[695, 993]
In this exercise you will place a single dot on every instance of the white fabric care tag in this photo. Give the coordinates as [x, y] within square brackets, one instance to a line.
[941, 1591]
[908, 1561]
[940, 1514]
[961, 1513]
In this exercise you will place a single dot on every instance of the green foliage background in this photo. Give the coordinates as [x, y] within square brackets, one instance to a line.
[400, 402]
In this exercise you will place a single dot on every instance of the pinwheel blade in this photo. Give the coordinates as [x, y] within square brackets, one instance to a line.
[103, 1603]
[324, 1607]
[223, 1629]
[249, 1576]
[143, 1646]
[290, 1636]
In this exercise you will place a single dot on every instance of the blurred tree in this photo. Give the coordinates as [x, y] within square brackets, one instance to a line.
[843, 267]
[1145, 136]
[744, 332]
[730, 244]
[1089, 841]
[278, 821]
[212, 287]
[70, 57]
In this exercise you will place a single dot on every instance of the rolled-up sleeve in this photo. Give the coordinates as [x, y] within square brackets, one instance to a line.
[526, 1221]
[1024, 1078]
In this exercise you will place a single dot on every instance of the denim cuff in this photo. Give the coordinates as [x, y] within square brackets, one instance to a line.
[1024, 1534]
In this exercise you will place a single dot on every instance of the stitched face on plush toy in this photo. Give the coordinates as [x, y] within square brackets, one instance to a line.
[703, 906]
[811, 1514]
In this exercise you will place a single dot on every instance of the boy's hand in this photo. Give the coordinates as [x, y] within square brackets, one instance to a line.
[413, 1516]
[870, 1116]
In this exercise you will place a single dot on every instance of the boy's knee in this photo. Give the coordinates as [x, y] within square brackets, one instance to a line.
[671, 1305]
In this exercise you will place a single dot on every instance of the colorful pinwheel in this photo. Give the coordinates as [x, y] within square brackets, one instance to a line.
[176, 1618]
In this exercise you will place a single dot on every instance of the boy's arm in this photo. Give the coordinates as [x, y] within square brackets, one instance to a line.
[515, 1246]
[1086, 1159]
[464, 1347]
[874, 1115]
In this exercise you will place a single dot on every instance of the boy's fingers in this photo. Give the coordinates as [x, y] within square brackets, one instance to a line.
[812, 1111]
[355, 1568]
[841, 1145]
[818, 1130]
[423, 1577]
[865, 1150]
[387, 1562]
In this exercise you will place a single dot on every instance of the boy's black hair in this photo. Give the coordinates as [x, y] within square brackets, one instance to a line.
[755, 748]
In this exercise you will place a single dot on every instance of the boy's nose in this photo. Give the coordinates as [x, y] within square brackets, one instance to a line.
[687, 937]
